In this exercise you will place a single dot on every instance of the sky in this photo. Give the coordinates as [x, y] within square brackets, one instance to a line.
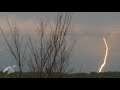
[88, 28]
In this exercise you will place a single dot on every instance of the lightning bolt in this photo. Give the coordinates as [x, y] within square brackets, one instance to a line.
[105, 58]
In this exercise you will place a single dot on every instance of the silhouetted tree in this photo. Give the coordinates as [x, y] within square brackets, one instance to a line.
[15, 45]
[52, 55]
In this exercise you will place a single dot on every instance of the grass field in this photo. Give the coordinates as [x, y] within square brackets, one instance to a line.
[75, 75]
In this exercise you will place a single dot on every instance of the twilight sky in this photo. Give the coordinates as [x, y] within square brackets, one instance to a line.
[88, 28]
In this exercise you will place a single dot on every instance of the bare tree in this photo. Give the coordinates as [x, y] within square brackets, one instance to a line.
[51, 55]
[15, 45]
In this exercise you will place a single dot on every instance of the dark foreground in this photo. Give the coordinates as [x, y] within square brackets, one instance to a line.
[75, 75]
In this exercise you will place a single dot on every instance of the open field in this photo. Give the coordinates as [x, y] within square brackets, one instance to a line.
[75, 75]
[55, 47]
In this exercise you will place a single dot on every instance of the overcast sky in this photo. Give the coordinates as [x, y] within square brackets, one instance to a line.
[87, 27]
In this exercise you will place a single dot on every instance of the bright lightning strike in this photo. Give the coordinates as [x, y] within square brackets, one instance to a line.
[105, 58]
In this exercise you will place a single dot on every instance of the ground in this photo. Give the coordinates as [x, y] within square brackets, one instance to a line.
[75, 75]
